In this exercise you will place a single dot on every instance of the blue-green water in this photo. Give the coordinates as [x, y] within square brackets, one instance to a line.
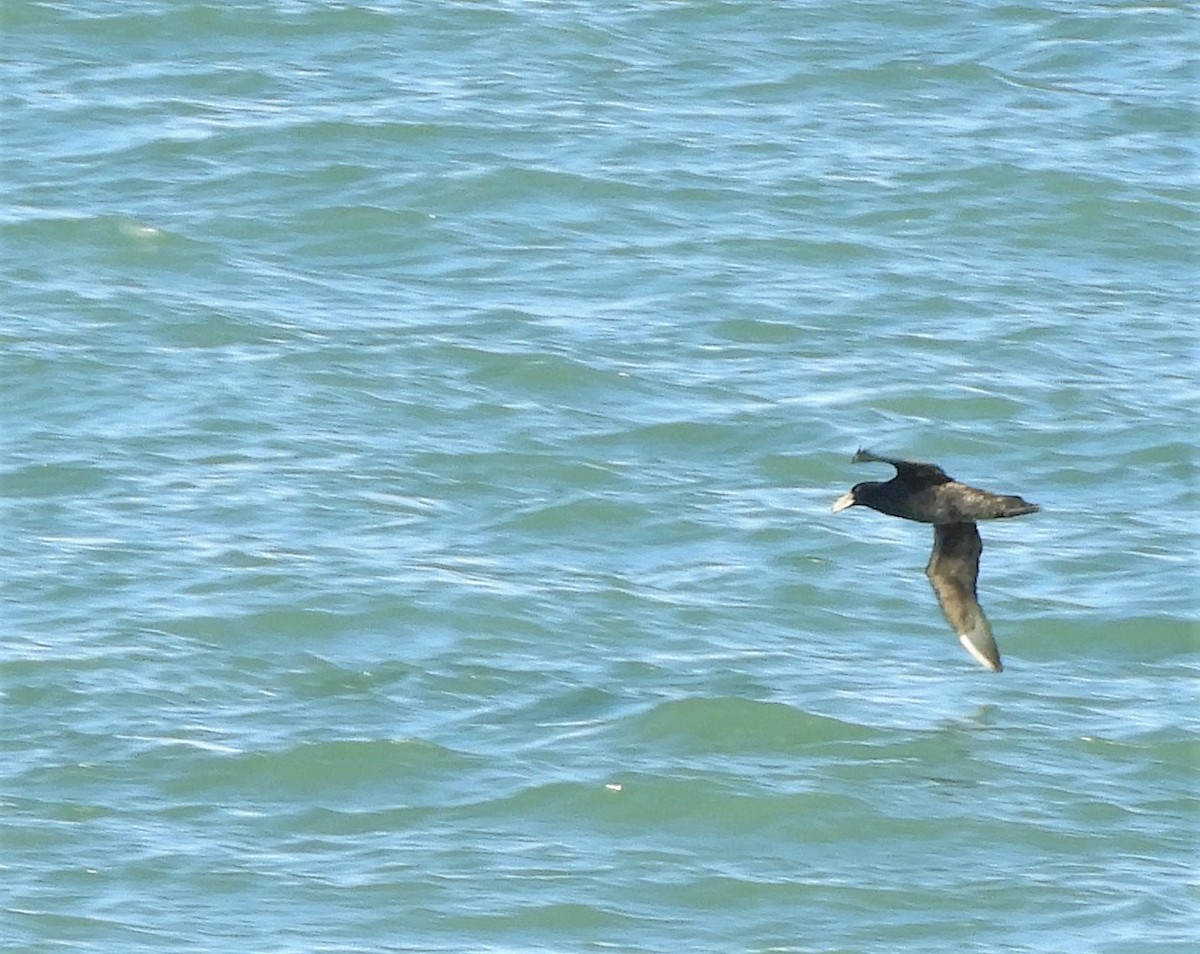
[420, 422]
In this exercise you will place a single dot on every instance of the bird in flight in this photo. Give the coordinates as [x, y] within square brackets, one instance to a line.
[925, 493]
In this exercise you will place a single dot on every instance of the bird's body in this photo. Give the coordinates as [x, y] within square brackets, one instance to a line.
[924, 492]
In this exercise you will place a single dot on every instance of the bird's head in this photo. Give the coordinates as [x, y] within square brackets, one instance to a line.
[857, 495]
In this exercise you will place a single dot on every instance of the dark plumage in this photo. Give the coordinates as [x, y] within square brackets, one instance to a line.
[925, 493]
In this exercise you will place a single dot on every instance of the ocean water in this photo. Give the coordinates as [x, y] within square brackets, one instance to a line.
[420, 422]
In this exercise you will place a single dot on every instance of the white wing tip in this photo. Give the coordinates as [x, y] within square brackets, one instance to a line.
[986, 654]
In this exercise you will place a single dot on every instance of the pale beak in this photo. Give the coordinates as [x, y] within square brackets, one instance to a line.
[844, 501]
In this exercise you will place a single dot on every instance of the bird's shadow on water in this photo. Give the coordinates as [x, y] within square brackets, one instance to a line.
[956, 742]
[929, 772]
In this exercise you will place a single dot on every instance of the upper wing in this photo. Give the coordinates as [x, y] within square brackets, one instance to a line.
[953, 569]
[910, 471]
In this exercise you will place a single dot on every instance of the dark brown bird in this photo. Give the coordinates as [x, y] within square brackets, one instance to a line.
[924, 492]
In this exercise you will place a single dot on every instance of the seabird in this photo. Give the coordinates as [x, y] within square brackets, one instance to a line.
[925, 493]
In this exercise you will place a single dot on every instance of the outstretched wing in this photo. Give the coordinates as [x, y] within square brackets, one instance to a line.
[910, 471]
[953, 570]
